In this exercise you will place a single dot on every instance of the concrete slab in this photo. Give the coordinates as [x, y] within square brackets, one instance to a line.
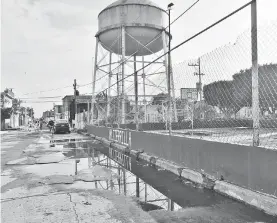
[58, 179]
[51, 158]
[22, 161]
[76, 206]
[261, 201]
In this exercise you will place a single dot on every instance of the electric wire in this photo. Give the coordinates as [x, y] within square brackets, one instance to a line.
[189, 39]
[156, 37]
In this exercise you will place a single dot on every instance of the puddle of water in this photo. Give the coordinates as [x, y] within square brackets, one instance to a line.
[116, 178]
[124, 184]
[147, 196]
[150, 197]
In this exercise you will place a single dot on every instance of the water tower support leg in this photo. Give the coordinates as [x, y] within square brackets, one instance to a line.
[144, 91]
[94, 80]
[109, 85]
[123, 75]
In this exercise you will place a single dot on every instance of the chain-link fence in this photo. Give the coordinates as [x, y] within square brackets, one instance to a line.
[211, 97]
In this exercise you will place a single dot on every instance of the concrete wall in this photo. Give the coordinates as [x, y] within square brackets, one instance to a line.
[246, 166]
[98, 131]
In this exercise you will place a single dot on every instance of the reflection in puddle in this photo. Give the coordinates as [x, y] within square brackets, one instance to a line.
[125, 183]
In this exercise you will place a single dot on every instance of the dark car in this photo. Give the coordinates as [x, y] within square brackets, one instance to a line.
[61, 126]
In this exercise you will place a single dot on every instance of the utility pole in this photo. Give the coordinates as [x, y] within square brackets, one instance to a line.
[199, 74]
[75, 102]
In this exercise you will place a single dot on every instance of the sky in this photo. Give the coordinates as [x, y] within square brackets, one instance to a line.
[46, 44]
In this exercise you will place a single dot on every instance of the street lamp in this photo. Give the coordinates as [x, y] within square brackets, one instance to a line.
[169, 69]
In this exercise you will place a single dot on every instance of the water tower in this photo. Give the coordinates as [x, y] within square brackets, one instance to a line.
[129, 30]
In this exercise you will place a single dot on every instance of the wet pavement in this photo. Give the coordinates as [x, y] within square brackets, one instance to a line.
[164, 185]
[151, 187]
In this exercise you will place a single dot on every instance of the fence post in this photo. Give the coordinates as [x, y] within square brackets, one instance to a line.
[137, 187]
[255, 75]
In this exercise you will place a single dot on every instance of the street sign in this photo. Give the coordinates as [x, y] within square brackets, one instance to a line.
[189, 94]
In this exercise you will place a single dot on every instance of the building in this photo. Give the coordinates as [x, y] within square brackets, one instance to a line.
[58, 112]
[83, 104]
[244, 113]
[7, 97]
[48, 115]
[12, 114]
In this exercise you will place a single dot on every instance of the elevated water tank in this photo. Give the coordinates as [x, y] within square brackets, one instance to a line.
[143, 22]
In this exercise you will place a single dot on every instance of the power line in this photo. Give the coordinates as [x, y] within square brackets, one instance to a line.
[157, 36]
[41, 97]
[183, 13]
[189, 39]
[54, 89]
[31, 102]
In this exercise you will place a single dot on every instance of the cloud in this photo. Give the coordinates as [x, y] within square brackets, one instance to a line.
[53, 40]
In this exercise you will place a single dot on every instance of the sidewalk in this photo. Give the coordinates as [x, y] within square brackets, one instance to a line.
[34, 192]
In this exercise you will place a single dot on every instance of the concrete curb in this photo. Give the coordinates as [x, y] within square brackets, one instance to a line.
[261, 201]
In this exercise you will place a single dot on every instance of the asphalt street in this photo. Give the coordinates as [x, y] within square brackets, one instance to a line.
[194, 204]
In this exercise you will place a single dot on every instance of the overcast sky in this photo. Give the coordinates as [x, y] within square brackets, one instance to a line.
[46, 44]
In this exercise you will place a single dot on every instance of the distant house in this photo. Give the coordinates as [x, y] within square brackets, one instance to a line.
[7, 97]
[7, 118]
[152, 113]
[83, 102]
[48, 115]
[58, 111]
[244, 113]
[11, 114]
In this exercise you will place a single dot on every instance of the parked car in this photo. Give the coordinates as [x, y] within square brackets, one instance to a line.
[61, 126]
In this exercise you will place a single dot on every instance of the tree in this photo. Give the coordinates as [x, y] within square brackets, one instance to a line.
[16, 105]
[5, 113]
[101, 101]
[242, 86]
[221, 94]
[160, 99]
[203, 110]
[115, 108]
[30, 112]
